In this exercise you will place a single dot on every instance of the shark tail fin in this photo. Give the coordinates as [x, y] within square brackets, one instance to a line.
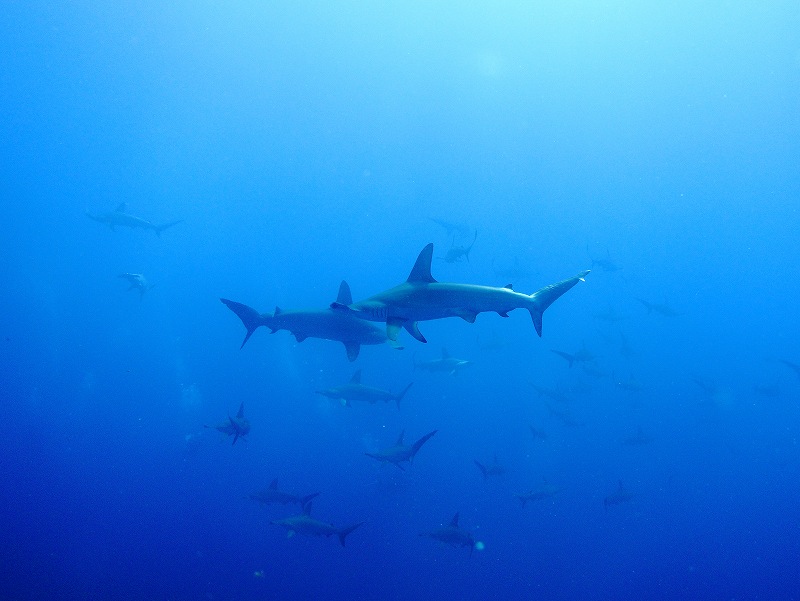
[251, 318]
[160, 228]
[403, 392]
[345, 531]
[543, 298]
[418, 445]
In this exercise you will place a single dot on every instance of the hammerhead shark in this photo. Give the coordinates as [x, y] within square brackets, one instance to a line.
[120, 217]
[582, 355]
[454, 535]
[660, 308]
[422, 298]
[492, 469]
[456, 253]
[137, 282]
[544, 491]
[400, 453]
[354, 390]
[448, 364]
[621, 495]
[314, 323]
[305, 524]
[238, 426]
[273, 495]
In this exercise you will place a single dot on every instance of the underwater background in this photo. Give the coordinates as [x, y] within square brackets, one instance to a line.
[305, 143]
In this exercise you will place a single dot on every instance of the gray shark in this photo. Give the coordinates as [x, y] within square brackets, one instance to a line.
[238, 426]
[315, 323]
[305, 524]
[272, 495]
[544, 491]
[121, 218]
[421, 298]
[660, 308]
[455, 254]
[565, 415]
[400, 453]
[448, 364]
[453, 535]
[493, 469]
[138, 282]
[580, 356]
[354, 390]
[621, 495]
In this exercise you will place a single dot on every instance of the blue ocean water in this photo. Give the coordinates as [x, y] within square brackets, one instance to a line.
[305, 143]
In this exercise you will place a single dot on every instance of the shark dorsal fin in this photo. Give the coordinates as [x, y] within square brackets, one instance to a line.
[400, 438]
[445, 354]
[421, 273]
[344, 297]
[274, 484]
[454, 521]
[307, 508]
[240, 414]
[277, 311]
[121, 208]
[356, 379]
[508, 287]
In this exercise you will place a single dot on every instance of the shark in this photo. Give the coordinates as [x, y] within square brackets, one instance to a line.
[544, 491]
[537, 433]
[451, 227]
[272, 495]
[138, 282]
[582, 355]
[606, 264]
[637, 440]
[449, 364]
[120, 217]
[422, 298]
[455, 254]
[793, 366]
[454, 535]
[621, 495]
[400, 453]
[660, 308]
[326, 323]
[493, 469]
[305, 524]
[354, 390]
[238, 426]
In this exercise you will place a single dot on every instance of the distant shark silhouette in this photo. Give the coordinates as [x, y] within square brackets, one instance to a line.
[354, 390]
[238, 426]
[621, 495]
[448, 364]
[660, 308]
[454, 535]
[455, 254]
[794, 366]
[422, 298]
[314, 323]
[582, 355]
[544, 491]
[308, 526]
[452, 227]
[138, 282]
[400, 453]
[121, 218]
[273, 495]
[493, 469]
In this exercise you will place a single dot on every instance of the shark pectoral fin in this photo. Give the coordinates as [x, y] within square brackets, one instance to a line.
[352, 348]
[393, 325]
[468, 316]
[413, 328]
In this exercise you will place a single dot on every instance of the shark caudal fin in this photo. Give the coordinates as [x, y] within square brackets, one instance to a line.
[418, 445]
[402, 393]
[345, 531]
[251, 318]
[160, 228]
[543, 298]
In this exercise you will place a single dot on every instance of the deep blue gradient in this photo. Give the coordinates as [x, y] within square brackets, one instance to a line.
[303, 143]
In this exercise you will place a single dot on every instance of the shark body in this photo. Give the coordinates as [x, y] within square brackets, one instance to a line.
[308, 526]
[422, 298]
[446, 363]
[354, 390]
[621, 495]
[544, 491]
[273, 495]
[138, 282]
[400, 453]
[238, 426]
[314, 323]
[490, 469]
[452, 534]
[121, 218]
